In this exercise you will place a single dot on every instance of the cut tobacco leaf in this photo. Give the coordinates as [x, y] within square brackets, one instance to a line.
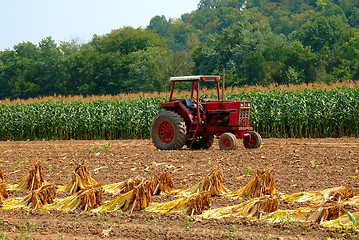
[36, 199]
[349, 220]
[34, 180]
[252, 208]
[162, 182]
[334, 194]
[80, 180]
[191, 205]
[212, 183]
[2, 175]
[312, 213]
[3, 192]
[137, 199]
[122, 187]
[262, 184]
[85, 199]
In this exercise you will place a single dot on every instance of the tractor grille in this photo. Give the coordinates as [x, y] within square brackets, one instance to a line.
[244, 117]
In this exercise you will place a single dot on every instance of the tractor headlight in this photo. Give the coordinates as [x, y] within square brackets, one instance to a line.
[242, 104]
[249, 104]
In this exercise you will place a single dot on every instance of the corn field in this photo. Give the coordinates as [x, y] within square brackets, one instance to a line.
[118, 119]
[306, 113]
[276, 113]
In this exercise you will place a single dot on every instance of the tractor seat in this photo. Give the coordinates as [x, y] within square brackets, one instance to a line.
[188, 103]
[193, 106]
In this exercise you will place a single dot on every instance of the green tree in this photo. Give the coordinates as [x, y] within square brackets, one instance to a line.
[232, 48]
[324, 31]
[51, 68]
[127, 40]
[147, 71]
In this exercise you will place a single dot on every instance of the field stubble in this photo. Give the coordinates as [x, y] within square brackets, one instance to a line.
[296, 164]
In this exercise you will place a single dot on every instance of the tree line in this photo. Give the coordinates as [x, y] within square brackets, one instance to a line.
[258, 41]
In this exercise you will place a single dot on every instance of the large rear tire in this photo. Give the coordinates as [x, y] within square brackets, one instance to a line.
[201, 142]
[228, 141]
[253, 141]
[168, 131]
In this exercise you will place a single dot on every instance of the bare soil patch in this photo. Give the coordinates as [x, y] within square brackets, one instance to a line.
[297, 165]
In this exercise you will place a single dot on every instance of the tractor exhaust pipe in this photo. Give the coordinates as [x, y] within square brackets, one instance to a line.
[223, 80]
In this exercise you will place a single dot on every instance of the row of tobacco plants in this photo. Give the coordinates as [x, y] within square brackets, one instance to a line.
[275, 113]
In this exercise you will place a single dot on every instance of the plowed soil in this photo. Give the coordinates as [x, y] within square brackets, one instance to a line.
[296, 164]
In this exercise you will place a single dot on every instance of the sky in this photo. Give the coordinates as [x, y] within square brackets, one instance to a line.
[65, 20]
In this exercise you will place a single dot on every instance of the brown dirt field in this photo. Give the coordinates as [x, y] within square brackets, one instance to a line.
[296, 164]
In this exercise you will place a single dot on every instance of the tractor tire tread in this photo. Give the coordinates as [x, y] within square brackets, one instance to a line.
[179, 128]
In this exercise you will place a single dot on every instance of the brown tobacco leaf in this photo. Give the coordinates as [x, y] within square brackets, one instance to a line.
[328, 210]
[34, 179]
[3, 192]
[137, 199]
[262, 184]
[254, 207]
[85, 199]
[90, 198]
[212, 183]
[36, 199]
[197, 204]
[191, 205]
[80, 180]
[2, 176]
[334, 194]
[162, 182]
[122, 187]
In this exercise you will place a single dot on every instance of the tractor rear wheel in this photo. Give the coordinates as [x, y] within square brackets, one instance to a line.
[168, 131]
[201, 142]
[228, 141]
[253, 141]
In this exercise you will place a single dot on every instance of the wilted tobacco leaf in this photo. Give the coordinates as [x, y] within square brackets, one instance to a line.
[36, 199]
[137, 199]
[262, 184]
[85, 199]
[252, 208]
[191, 205]
[334, 194]
[80, 180]
[34, 180]
[212, 183]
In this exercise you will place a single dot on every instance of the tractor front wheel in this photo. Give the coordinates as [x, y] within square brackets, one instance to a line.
[228, 141]
[168, 131]
[254, 140]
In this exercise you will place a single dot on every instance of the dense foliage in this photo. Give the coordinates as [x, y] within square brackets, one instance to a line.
[307, 113]
[259, 42]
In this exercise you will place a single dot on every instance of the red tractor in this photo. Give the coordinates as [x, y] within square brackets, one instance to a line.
[197, 120]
